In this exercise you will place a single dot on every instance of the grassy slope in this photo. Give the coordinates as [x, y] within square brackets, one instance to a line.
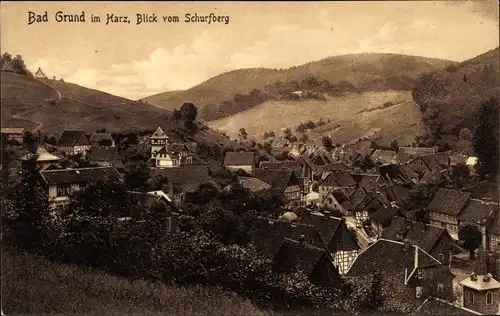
[366, 71]
[32, 285]
[79, 108]
[398, 122]
[458, 101]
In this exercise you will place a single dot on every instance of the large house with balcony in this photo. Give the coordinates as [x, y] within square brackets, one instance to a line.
[445, 207]
[73, 142]
[61, 183]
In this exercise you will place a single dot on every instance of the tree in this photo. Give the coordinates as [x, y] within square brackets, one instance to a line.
[137, 176]
[304, 138]
[242, 134]
[465, 134]
[394, 145]
[417, 201]
[485, 139]
[327, 142]
[287, 133]
[471, 238]
[30, 141]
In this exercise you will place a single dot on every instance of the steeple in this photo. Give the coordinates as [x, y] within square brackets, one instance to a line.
[480, 268]
[39, 74]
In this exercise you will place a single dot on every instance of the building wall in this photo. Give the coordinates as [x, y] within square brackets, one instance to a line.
[247, 168]
[494, 242]
[448, 222]
[442, 247]
[479, 303]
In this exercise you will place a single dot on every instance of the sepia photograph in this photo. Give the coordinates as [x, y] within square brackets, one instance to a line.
[210, 158]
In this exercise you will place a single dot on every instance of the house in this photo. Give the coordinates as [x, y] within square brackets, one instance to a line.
[43, 158]
[73, 142]
[371, 203]
[481, 292]
[152, 200]
[407, 153]
[493, 229]
[408, 272]
[39, 74]
[394, 174]
[102, 139]
[437, 307]
[478, 213]
[396, 192]
[61, 183]
[279, 165]
[244, 160]
[254, 184]
[383, 157]
[13, 133]
[445, 207]
[338, 200]
[340, 242]
[298, 255]
[432, 239]
[284, 183]
[429, 165]
[381, 218]
[105, 156]
[336, 180]
[182, 180]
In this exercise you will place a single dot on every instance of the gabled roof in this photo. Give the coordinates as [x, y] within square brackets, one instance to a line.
[39, 72]
[449, 202]
[98, 137]
[80, 176]
[394, 174]
[148, 199]
[384, 215]
[383, 156]
[42, 155]
[278, 179]
[370, 182]
[407, 153]
[13, 130]
[338, 178]
[279, 165]
[435, 306]
[70, 138]
[104, 153]
[391, 257]
[341, 196]
[254, 184]
[478, 211]
[396, 192]
[159, 133]
[189, 177]
[244, 158]
[422, 235]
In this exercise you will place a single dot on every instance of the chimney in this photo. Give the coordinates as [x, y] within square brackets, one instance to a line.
[302, 239]
[406, 245]
[487, 278]
[473, 277]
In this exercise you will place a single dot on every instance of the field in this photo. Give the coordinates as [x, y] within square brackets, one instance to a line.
[350, 117]
[33, 285]
[368, 72]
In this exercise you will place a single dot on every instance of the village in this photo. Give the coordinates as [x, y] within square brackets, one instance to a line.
[342, 212]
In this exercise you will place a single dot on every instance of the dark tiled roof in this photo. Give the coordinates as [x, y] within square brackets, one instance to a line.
[384, 215]
[189, 177]
[370, 182]
[70, 138]
[338, 178]
[97, 137]
[407, 153]
[424, 236]
[396, 192]
[394, 174]
[104, 153]
[278, 179]
[82, 175]
[449, 202]
[432, 306]
[478, 211]
[245, 158]
[327, 227]
[278, 165]
[383, 156]
[294, 256]
[254, 184]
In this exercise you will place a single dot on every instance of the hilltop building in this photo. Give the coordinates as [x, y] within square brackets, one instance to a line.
[39, 74]
[168, 155]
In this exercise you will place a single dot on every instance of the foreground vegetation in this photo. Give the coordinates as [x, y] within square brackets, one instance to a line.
[34, 285]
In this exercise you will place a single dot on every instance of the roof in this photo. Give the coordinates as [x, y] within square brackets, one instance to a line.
[13, 130]
[39, 72]
[327, 227]
[42, 155]
[422, 235]
[480, 284]
[70, 138]
[278, 165]
[189, 177]
[295, 256]
[396, 260]
[244, 158]
[449, 202]
[407, 153]
[383, 156]
[478, 211]
[159, 133]
[435, 306]
[98, 137]
[396, 192]
[338, 178]
[253, 184]
[384, 215]
[370, 182]
[82, 175]
[104, 153]
[278, 179]
[341, 196]
[150, 198]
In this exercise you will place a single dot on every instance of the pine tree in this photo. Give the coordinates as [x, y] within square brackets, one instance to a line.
[485, 139]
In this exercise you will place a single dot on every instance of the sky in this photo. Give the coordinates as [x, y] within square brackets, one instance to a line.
[135, 61]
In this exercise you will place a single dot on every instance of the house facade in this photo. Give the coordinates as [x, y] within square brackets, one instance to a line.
[73, 142]
[13, 133]
[334, 181]
[445, 207]
[245, 161]
[105, 156]
[102, 139]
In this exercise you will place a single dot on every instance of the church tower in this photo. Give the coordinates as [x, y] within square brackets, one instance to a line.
[159, 140]
[481, 292]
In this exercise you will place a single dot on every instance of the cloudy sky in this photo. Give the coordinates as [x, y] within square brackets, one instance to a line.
[134, 61]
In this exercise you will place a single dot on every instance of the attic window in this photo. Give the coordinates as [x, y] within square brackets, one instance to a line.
[418, 291]
[420, 273]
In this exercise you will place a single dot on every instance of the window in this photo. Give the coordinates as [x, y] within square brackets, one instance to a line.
[489, 298]
[63, 189]
[420, 273]
[418, 291]
[441, 257]
[440, 287]
[175, 162]
[495, 242]
[470, 298]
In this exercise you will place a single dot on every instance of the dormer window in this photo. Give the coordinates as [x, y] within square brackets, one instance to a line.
[489, 298]
[441, 257]
[420, 273]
